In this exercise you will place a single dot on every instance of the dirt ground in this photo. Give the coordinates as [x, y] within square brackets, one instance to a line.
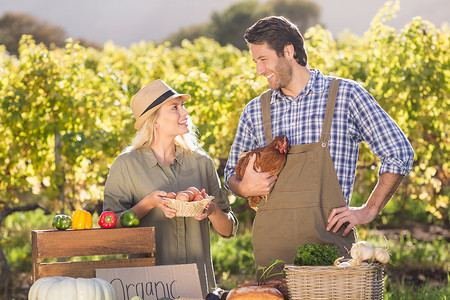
[419, 231]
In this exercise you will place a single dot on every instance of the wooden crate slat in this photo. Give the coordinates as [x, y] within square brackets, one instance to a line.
[86, 269]
[68, 243]
[91, 242]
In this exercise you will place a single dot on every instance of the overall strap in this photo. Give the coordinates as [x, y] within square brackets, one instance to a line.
[329, 111]
[265, 109]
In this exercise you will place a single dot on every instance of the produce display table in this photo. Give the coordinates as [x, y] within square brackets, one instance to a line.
[90, 242]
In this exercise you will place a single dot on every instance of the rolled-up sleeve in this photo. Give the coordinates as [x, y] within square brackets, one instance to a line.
[220, 197]
[235, 225]
[382, 134]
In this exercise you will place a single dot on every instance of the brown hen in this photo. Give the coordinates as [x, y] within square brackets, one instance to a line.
[268, 159]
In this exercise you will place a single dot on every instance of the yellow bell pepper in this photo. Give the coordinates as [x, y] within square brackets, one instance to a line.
[81, 219]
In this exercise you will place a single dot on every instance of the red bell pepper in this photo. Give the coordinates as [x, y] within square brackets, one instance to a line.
[107, 219]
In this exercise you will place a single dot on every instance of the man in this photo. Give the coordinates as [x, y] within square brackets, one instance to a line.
[325, 119]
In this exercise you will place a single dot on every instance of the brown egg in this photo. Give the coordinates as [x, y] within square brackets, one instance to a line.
[191, 195]
[182, 196]
[198, 198]
[171, 195]
[194, 190]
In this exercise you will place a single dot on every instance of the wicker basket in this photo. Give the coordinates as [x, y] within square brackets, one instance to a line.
[189, 209]
[331, 282]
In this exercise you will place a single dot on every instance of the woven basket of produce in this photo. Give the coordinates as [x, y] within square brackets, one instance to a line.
[312, 276]
[191, 208]
[333, 282]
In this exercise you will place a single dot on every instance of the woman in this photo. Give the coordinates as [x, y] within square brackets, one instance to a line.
[164, 157]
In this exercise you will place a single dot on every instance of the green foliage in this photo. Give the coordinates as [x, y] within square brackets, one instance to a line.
[233, 256]
[400, 291]
[58, 114]
[408, 75]
[316, 255]
[276, 265]
[15, 237]
[411, 252]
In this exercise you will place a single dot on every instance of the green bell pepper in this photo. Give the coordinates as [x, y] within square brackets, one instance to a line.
[62, 222]
[128, 219]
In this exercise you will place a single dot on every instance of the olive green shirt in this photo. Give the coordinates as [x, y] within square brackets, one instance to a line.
[179, 240]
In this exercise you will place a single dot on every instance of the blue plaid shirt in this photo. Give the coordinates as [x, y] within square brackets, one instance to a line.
[357, 117]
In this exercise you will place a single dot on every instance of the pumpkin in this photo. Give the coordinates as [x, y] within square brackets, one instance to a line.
[68, 288]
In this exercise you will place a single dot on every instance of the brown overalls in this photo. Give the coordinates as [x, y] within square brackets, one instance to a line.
[306, 191]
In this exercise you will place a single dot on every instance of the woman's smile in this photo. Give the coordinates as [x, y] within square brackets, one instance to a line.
[184, 122]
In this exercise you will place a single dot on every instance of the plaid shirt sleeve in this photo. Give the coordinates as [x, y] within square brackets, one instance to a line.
[381, 133]
[245, 138]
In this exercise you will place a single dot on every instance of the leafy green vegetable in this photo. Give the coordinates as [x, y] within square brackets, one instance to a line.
[267, 271]
[312, 254]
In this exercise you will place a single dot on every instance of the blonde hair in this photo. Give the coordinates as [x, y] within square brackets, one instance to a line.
[146, 135]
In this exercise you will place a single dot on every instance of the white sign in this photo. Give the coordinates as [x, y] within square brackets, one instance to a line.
[152, 283]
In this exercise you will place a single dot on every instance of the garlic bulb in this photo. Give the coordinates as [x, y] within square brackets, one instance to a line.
[337, 261]
[348, 263]
[343, 264]
[362, 251]
[381, 255]
[353, 262]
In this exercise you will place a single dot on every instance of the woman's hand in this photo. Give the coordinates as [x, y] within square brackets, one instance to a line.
[155, 199]
[222, 222]
[168, 212]
[209, 210]
[162, 204]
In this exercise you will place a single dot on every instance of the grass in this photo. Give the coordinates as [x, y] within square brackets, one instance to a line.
[403, 291]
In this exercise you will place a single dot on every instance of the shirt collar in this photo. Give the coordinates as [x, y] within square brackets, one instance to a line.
[151, 158]
[316, 84]
[179, 154]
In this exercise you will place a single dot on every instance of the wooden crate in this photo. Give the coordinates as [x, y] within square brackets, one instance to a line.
[90, 242]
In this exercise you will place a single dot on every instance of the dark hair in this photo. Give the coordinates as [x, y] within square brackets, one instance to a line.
[278, 32]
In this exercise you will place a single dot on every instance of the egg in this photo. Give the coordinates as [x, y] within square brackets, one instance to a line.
[171, 195]
[194, 190]
[182, 196]
[191, 195]
[198, 198]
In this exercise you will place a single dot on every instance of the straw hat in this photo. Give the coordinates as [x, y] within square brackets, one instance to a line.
[150, 98]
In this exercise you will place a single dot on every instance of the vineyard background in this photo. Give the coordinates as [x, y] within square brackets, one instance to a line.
[65, 116]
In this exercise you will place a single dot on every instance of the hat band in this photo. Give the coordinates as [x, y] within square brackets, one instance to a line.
[159, 100]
